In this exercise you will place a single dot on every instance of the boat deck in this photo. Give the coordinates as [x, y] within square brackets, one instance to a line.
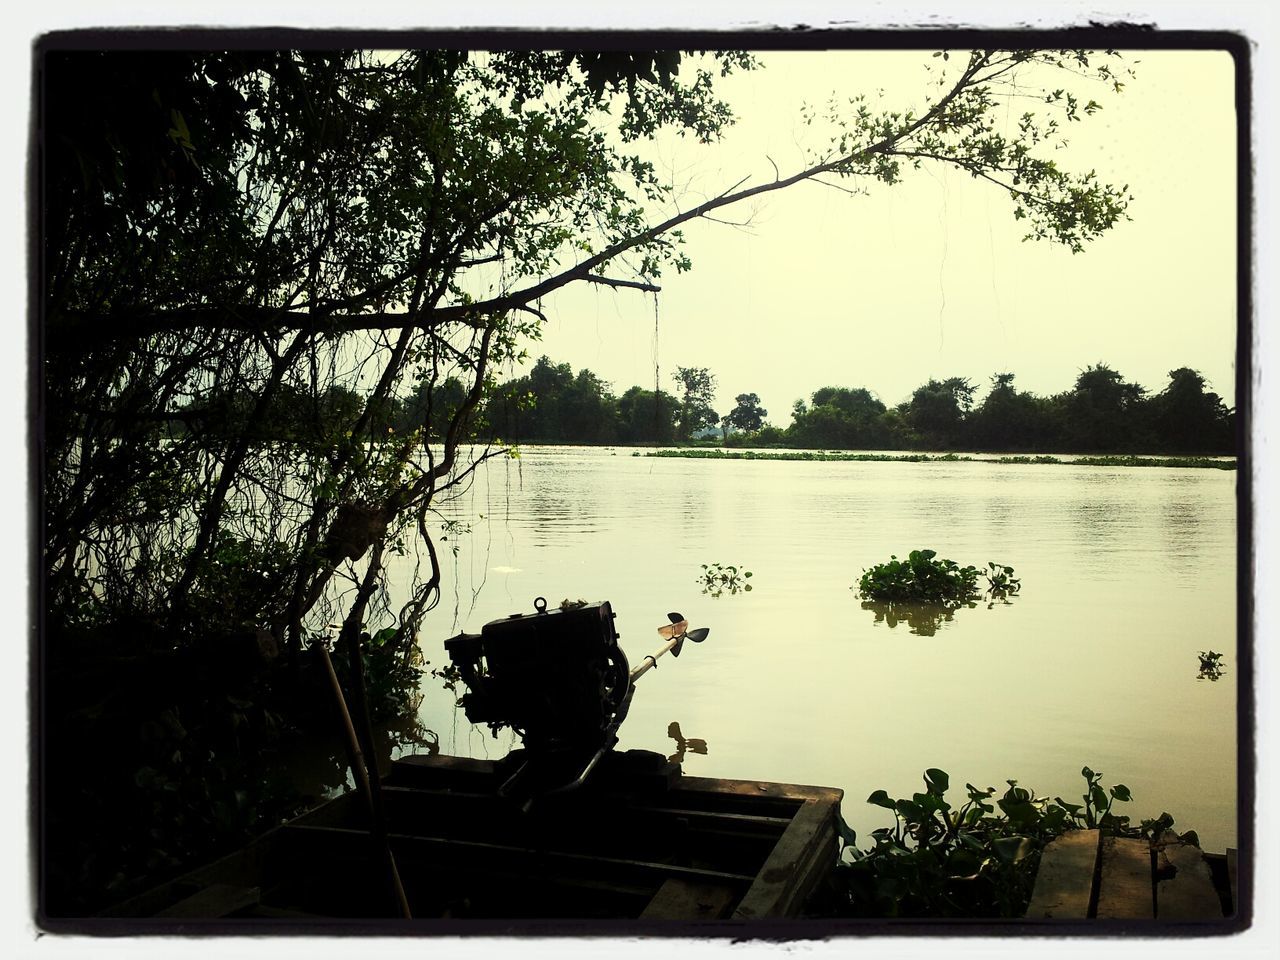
[640, 842]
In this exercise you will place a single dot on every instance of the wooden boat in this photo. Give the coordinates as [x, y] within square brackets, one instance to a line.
[640, 842]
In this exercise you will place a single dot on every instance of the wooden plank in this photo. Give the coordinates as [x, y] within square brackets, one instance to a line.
[323, 843]
[1126, 884]
[757, 788]
[1232, 857]
[788, 875]
[681, 899]
[1189, 893]
[253, 865]
[1064, 883]
[215, 900]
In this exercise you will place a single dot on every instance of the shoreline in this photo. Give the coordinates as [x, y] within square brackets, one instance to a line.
[1126, 460]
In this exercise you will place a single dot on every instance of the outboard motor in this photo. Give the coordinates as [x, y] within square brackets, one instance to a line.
[560, 680]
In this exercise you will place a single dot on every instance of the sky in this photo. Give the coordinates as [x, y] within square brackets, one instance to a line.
[930, 278]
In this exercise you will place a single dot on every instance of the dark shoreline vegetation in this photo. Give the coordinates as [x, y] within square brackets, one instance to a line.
[1101, 414]
[695, 453]
[263, 357]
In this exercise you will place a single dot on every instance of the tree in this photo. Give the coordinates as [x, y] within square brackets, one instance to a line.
[1010, 419]
[1103, 411]
[747, 414]
[839, 418]
[698, 386]
[254, 222]
[647, 417]
[1187, 417]
[937, 410]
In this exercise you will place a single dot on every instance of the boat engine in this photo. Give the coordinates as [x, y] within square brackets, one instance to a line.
[560, 680]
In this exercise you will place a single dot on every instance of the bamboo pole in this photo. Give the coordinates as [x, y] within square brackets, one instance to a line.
[360, 768]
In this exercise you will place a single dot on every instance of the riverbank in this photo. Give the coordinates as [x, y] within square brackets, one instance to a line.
[694, 453]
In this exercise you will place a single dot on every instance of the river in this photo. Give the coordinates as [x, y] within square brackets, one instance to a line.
[1126, 573]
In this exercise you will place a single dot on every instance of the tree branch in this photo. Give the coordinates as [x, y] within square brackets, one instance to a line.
[252, 318]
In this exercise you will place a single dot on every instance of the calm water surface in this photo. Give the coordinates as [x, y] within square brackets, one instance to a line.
[1126, 574]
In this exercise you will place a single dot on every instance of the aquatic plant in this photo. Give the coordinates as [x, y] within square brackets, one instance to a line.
[1210, 665]
[921, 579]
[978, 860]
[718, 579]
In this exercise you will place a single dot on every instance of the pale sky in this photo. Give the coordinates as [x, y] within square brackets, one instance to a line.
[930, 278]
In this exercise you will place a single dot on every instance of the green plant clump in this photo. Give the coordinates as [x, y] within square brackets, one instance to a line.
[939, 861]
[718, 578]
[923, 579]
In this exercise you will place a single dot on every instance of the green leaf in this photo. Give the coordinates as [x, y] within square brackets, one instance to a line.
[936, 780]
[1121, 792]
[910, 811]
[1013, 849]
[881, 799]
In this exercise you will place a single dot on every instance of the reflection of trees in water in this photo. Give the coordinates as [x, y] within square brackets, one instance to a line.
[923, 619]
[1181, 530]
[691, 744]
[1096, 522]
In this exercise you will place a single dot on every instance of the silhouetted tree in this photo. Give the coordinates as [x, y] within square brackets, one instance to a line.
[841, 418]
[1103, 411]
[1010, 419]
[1187, 417]
[937, 410]
[747, 414]
[646, 417]
[698, 387]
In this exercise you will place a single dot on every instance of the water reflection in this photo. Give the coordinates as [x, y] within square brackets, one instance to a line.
[718, 579]
[692, 744]
[923, 619]
[1093, 545]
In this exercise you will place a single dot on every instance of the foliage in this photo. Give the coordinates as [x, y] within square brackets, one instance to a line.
[919, 579]
[936, 411]
[747, 414]
[1102, 410]
[941, 861]
[1210, 665]
[554, 405]
[1187, 416]
[698, 387]
[646, 417]
[1001, 582]
[718, 579]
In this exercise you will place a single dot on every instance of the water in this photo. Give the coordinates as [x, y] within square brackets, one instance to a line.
[1126, 574]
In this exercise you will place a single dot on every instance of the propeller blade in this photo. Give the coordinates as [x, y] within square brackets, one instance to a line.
[697, 636]
[673, 630]
[675, 617]
[675, 650]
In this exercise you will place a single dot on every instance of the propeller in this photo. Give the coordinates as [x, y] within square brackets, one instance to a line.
[675, 633]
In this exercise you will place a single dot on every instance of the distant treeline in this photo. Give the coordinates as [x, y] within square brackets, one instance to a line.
[1102, 412]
